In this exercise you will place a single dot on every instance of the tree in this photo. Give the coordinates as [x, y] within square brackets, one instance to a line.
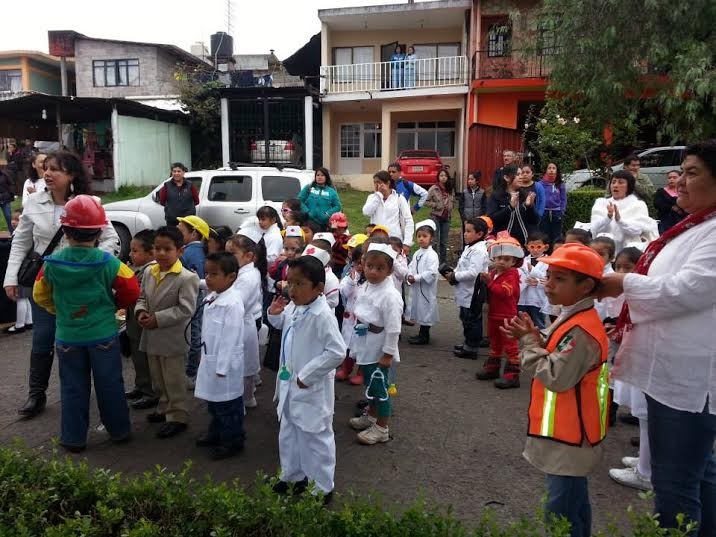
[653, 58]
[201, 100]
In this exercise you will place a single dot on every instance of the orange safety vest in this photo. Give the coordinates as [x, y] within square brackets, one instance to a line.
[582, 410]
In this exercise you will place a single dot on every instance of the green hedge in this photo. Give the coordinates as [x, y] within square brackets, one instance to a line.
[579, 205]
[62, 498]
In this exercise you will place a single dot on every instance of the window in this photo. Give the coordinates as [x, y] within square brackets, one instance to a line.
[11, 80]
[230, 188]
[665, 157]
[279, 188]
[350, 141]
[547, 40]
[445, 69]
[350, 55]
[498, 40]
[437, 135]
[372, 140]
[116, 73]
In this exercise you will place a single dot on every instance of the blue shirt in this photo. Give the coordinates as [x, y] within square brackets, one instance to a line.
[193, 258]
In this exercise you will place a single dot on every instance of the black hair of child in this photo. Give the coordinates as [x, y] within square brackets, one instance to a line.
[146, 239]
[312, 225]
[310, 267]
[357, 254]
[172, 233]
[425, 229]
[538, 236]
[632, 253]
[582, 235]
[478, 224]
[609, 242]
[395, 241]
[242, 242]
[269, 212]
[226, 262]
[323, 244]
[82, 234]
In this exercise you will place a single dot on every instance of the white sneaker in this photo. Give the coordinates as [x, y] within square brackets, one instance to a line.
[376, 434]
[630, 477]
[362, 423]
[630, 462]
[251, 403]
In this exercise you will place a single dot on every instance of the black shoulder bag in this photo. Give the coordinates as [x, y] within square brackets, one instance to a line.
[31, 265]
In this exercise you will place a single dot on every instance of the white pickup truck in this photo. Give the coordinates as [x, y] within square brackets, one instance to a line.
[227, 197]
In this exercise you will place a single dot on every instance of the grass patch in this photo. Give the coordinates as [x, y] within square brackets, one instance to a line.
[126, 193]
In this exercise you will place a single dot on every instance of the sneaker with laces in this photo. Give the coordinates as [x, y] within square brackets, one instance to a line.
[630, 477]
[361, 423]
[630, 462]
[376, 434]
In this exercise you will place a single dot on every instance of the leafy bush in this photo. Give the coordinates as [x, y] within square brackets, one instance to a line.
[61, 498]
[579, 206]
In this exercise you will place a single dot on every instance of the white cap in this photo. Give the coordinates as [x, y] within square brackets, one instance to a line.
[499, 248]
[429, 223]
[605, 235]
[385, 248]
[326, 237]
[293, 231]
[252, 232]
[323, 256]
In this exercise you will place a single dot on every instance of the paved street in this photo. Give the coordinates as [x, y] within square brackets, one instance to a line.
[456, 440]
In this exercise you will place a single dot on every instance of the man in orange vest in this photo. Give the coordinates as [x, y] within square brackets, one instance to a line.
[569, 406]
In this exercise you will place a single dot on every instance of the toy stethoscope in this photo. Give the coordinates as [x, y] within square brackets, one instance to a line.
[199, 310]
[283, 372]
[378, 375]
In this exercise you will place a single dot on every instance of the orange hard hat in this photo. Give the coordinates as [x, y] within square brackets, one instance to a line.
[489, 223]
[84, 212]
[577, 257]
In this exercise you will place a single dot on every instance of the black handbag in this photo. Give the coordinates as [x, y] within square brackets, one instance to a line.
[31, 265]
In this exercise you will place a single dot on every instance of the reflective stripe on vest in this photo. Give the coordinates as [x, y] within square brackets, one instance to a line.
[567, 416]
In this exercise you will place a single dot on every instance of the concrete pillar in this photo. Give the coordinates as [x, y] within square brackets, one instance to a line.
[328, 138]
[385, 150]
[225, 145]
[308, 130]
[63, 76]
[116, 147]
[461, 149]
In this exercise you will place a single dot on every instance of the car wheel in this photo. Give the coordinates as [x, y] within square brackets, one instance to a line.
[124, 239]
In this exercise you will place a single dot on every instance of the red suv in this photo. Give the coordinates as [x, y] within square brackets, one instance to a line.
[420, 166]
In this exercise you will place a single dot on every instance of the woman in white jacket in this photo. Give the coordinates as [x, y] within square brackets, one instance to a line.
[623, 215]
[65, 177]
[385, 207]
[667, 347]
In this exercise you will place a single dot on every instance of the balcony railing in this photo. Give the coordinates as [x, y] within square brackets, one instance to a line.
[516, 64]
[395, 76]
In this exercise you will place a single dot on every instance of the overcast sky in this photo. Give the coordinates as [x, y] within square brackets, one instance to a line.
[258, 25]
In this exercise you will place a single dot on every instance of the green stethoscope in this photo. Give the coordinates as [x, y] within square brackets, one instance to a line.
[283, 373]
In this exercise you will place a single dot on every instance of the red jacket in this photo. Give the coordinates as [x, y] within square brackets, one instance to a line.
[503, 292]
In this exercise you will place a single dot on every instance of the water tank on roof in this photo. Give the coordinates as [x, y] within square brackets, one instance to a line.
[222, 46]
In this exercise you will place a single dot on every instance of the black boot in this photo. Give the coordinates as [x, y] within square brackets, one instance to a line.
[423, 337]
[40, 369]
[613, 409]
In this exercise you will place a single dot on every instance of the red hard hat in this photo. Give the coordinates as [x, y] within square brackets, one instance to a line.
[577, 257]
[338, 220]
[84, 212]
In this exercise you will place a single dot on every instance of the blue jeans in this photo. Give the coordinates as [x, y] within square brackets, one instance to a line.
[227, 422]
[440, 238]
[471, 328]
[194, 355]
[683, 468]
[103, 363]
[535, 314]
[7, 213]
[43, 329]
[568, 496]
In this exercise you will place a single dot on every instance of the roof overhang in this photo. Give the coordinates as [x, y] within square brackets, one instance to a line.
[423, 15]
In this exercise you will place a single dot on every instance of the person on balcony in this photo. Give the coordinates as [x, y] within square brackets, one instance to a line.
[410, 66]
[397, 65]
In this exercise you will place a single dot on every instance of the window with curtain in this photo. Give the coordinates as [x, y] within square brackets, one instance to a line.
[11, 80]
[109, 73]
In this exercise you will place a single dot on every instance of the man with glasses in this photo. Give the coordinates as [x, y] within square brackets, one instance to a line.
[407, 188]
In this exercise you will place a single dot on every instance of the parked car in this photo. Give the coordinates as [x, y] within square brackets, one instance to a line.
[656, 162]
[420, 165]
[227, 196]
[280, 152]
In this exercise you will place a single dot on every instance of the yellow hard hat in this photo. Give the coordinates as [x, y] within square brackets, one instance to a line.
[197, 224]
[355, 240]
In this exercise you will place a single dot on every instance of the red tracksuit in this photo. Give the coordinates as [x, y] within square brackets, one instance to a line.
[503, 293]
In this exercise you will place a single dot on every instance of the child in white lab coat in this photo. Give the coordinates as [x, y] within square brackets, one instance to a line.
[400, 265]
[245, 248]
[473, 261]
[220, 378]
[349, 288]
[311, 350]
[378, 312]
[323, 242]
[423, 280]
[533, 274]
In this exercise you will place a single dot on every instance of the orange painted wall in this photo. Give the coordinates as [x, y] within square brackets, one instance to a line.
[500, 109]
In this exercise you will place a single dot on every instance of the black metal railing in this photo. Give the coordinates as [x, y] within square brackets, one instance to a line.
[513, 64]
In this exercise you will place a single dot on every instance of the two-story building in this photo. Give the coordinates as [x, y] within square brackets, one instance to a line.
[374, 108]
[23, 71]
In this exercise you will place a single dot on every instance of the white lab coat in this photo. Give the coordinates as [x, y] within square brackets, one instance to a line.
[311, 349]
[248, 285]
[382, 306]
[331, 289]
[349, 291]
[400, 271]
[393, 213]
[533, 295]
[274, 243]
[472, 262]
[634, 226]
[424, 291]
[222, 336]
[603, 305]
